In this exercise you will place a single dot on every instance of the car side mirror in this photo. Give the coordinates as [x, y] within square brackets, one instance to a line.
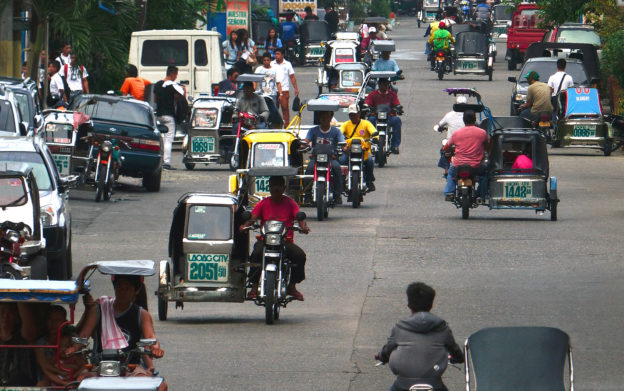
[246, 215]
[512, 79]
[146, 342]
[38, 120]
[162, 128]
[68, 182]
[23, 128]
[300, 216]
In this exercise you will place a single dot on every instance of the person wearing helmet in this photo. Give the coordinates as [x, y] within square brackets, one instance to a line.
[440, 41]
[451, 121]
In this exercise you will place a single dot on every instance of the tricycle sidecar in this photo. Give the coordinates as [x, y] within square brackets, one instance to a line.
[471, 54]
[312, 34]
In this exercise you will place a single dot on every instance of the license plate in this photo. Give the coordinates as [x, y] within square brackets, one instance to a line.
[518, 190]
[469, 65]
[262, 185]
[208, 267]
[202, 145]
[62, 164]
[584, 131]
[317, 51]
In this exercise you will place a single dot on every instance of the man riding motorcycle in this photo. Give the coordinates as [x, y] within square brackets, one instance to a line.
[360, 128]
[283, 208]
[253, 103]
[385, 96]
[440, 41]
[538, 101]
[470, 143]
[325, 133]
[451, 121]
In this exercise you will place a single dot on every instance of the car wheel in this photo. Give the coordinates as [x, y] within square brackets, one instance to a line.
[151, 182]
[189, 166]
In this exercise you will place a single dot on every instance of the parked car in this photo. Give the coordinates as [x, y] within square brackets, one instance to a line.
[53, 199]
[10, 118]
[522, 33]
[574, 33]
[27, 99]
[133, 122]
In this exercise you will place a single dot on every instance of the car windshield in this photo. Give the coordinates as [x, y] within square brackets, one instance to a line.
[547, 68]
[579, 36]
[269, 155]
[351, 78]
[58, 133]
[7, 119]
[119, 111]
[209, 222]
[35, 161]
[12, 192]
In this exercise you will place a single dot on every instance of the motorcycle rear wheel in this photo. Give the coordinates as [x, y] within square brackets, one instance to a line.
[321, 201]
[270, 299]
[465, 204]
[440, 72]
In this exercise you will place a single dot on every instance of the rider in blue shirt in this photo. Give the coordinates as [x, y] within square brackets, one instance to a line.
[385, 63]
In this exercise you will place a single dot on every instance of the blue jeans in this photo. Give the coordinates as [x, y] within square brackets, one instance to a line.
[482, 180]
[395, 123]
[336, 172]
[369, 166]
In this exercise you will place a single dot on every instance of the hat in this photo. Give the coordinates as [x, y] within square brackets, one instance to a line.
[532, 75]
[461, 99]
[441, 25]
[353, 109]
[372, 30]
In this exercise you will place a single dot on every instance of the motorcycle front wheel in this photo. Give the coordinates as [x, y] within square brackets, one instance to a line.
[100, 183]
[356, 192]
[321, 201]
[108, 187]
[270, 297]
[381, 153]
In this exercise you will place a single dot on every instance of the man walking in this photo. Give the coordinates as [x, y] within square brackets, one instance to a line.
[166, 92]
[332, 19]
[285, 74]
[65, 56]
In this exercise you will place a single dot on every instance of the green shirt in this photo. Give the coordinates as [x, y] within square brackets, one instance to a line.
[441, 39]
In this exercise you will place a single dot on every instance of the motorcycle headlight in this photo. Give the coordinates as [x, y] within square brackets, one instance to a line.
[273, 239]
[49, 216]
[110, 368]
[273, 226]
[383, 115]
[322, 158]
[521, 97]
[356, 148]
[107, 146]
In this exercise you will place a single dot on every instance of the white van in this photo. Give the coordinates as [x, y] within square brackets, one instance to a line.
[198, 55]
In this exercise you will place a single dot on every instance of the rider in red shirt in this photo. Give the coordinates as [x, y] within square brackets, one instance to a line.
[384, 96]
[282, 208]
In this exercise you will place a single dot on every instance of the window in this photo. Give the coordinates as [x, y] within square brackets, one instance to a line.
[35, 161]
[22, 105]
[164, 52]
[119, 111]
[7, 119]
[579, 36]
[58, 133]
[269, 155]
[12, 192]
[201, 56]
[208, 222]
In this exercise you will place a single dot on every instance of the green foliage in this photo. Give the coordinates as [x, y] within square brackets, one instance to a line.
[612, 56]
[175, 14]
[380, 8]
[557, 12]
[357, 10]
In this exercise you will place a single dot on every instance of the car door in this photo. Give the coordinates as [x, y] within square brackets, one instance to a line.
[62, 192]
[201, 68]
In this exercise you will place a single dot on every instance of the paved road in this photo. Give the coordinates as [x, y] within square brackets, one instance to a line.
[498, 268]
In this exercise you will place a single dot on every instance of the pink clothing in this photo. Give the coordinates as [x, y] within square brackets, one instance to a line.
[523, 162]
[469, 144]
[112, 336]
[285, 211]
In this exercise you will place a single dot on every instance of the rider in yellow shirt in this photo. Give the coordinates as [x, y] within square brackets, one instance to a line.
[360, 128]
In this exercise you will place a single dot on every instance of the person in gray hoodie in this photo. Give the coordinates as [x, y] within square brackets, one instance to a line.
[418, 348]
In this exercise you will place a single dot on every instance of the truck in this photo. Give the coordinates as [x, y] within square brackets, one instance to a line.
[522, 33]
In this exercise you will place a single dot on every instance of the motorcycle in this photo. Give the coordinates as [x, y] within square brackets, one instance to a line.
[106, 164]
[276, 269]
[355, 185]
[246, 121]
[382, 150]
[465, 192]
[442, 63]
[12, 236]
[323, 197]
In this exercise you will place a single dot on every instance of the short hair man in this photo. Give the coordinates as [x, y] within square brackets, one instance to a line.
[166, 92]
[309, 15]
[133, 84]
[57, 96]
[384, 96]
[385, 63]
[332, 18]
[76, 77]
[538, 98]
[285, 75]
[560, 80]
[420, 343]
[253, 103]
[65, 55]
[228, 84]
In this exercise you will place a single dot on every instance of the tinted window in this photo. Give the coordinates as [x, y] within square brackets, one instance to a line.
[201, 56]
[12, 192]
[35, 161]
[207, 222]
[164, 52]
[119, 111]
[7, 119]
[547, 68]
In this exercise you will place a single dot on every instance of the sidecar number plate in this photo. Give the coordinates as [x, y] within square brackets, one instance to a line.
[469, 64]
[317, 51]
[202, 144]
[518, 190]
[207, 267]
[62, 164]
[584, 131]
[262, 186]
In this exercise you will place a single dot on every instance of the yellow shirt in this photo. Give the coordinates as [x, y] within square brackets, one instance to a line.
[364, 131]
[434, 27]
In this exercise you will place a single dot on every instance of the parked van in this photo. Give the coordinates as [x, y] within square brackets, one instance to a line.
[198, 55]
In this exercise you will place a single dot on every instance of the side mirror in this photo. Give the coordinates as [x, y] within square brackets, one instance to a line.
[400, 72]
[162, 128]
[246, 215]
[146, 342]
[80, 341]
[300, 216]
[68, 182]
[594, 81]
[512, 79]
[38, 120]
[23, 128]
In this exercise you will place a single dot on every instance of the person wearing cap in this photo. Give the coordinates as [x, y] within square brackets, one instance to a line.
[253, 103]
[451, 121]
[385, 63]
[372, 36]
[538, 98]
[384, 96]
[360, 128]
[325, 133]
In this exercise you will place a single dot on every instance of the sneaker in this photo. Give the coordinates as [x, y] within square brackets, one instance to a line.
[370, 187]
[445, 175]
[168, 167]
[449, 197]
[292, 291]
[252, 295]
[394, 150]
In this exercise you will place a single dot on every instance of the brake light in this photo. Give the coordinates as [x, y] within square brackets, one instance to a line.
[440, 54]
[464, 175]
[147, 145]
[215, 90]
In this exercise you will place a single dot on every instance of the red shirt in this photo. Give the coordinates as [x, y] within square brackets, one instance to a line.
[469, 144]
[377, 98]
[285, 211]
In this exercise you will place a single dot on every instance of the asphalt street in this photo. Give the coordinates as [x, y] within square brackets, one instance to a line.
[498, 268]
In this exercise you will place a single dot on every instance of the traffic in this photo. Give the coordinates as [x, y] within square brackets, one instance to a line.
[308, 144]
